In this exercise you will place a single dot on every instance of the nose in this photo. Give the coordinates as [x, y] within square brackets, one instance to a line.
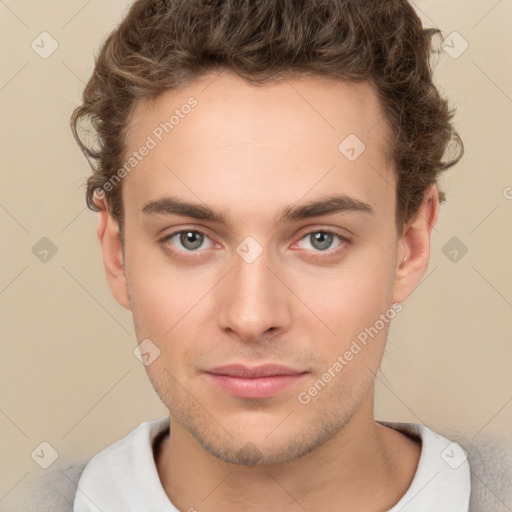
[254, 304]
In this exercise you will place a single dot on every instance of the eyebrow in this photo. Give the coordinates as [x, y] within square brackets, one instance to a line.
[318, 208]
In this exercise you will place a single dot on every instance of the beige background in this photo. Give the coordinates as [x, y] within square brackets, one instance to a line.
[68, 375]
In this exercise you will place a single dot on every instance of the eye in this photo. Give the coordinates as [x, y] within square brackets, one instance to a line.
[322, 240]
[190, 240]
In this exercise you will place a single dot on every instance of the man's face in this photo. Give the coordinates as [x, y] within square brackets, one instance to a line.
[210, 299]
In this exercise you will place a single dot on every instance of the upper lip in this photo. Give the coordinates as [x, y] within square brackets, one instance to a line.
[242, 371]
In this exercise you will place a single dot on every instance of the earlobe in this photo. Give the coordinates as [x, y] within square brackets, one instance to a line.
[109, 237]
[413, 251]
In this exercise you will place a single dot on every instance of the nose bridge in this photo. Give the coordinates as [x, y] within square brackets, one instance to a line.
[254, 301]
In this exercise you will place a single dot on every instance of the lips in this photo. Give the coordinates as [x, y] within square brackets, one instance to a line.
[261, 381]
[267, 370]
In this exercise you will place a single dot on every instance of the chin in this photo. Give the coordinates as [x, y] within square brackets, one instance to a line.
[252, 445]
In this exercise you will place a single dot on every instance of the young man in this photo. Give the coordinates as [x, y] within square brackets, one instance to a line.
[265, 177]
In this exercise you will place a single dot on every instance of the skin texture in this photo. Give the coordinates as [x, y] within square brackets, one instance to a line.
[250, 152]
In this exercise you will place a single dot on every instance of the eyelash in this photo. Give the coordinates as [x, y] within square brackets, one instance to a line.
[197, 253]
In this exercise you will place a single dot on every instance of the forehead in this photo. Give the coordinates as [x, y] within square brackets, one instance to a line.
[224, 141]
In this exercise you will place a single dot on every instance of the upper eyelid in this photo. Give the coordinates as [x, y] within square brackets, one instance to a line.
[330, 231]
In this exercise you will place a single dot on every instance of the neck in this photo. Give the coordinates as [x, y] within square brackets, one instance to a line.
[364, 467]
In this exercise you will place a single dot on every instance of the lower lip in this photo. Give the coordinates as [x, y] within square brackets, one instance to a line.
[258, 387]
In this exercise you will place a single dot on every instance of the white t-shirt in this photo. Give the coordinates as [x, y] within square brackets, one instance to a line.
[123, 477]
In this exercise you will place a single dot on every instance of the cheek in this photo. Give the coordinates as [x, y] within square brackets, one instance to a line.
[169, 308]
[161, 292]
[352, 299]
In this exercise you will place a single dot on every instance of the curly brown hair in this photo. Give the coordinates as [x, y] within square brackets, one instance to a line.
[163, 44]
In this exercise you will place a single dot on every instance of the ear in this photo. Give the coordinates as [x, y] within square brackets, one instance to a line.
[109, 237]
[413, 251]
